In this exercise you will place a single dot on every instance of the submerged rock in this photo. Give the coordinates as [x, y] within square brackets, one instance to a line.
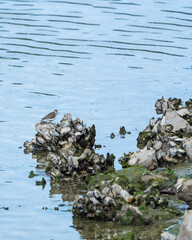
[69, 146]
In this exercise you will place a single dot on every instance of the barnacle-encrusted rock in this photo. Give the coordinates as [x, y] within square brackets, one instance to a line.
[69, 146]
[167, 140]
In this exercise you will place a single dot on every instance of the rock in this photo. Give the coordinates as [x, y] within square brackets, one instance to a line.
[122, 193]
[112, 136]
[130, 196]
[175, 103]
[126, 196]
[169, 136]
[105, 190]
[108, 201]
[183, 112]
[189, 104]
[187, 145]
[186, 228]
[178, 123]
[144, 137]
[122, 130]
[157, 145]
[161, 105]
[167, 236]
[69, 146]
[145, 158]
[184, 190]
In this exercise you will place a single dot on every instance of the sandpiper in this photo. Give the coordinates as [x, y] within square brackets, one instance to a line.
[51, 116]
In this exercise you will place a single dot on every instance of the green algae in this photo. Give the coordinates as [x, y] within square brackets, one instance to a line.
[32, 174]
[127, 178]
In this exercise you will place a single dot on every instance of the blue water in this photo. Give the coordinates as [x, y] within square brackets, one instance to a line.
[104, 61]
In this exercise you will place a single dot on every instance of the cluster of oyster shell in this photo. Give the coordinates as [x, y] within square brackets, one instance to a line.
[111, 201]
[166, 140]
[102, 204]
[69, 146]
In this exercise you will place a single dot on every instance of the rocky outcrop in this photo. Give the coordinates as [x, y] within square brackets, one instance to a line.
[186, 228]
[164, 141]
[69, 147]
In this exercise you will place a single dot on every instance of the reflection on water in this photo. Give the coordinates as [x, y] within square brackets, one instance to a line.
[103, 61]
[107, 230]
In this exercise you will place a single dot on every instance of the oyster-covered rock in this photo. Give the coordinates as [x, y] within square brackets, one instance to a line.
[129, 196]
[69, 146]
[167, 140]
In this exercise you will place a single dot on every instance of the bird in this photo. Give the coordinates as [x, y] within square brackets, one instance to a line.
[50, 116]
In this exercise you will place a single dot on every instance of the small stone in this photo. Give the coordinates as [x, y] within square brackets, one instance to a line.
[122, 130]
[98, 146]
[112, 136]
[6, 208]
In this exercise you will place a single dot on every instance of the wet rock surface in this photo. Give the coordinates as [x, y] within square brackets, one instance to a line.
[69, 148]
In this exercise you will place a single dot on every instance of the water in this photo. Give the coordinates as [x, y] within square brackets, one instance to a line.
[104, 61]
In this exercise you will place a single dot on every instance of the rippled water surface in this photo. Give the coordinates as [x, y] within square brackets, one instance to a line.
[105, 61]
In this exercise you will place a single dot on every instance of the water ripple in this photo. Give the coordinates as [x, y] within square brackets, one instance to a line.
[104, 61]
